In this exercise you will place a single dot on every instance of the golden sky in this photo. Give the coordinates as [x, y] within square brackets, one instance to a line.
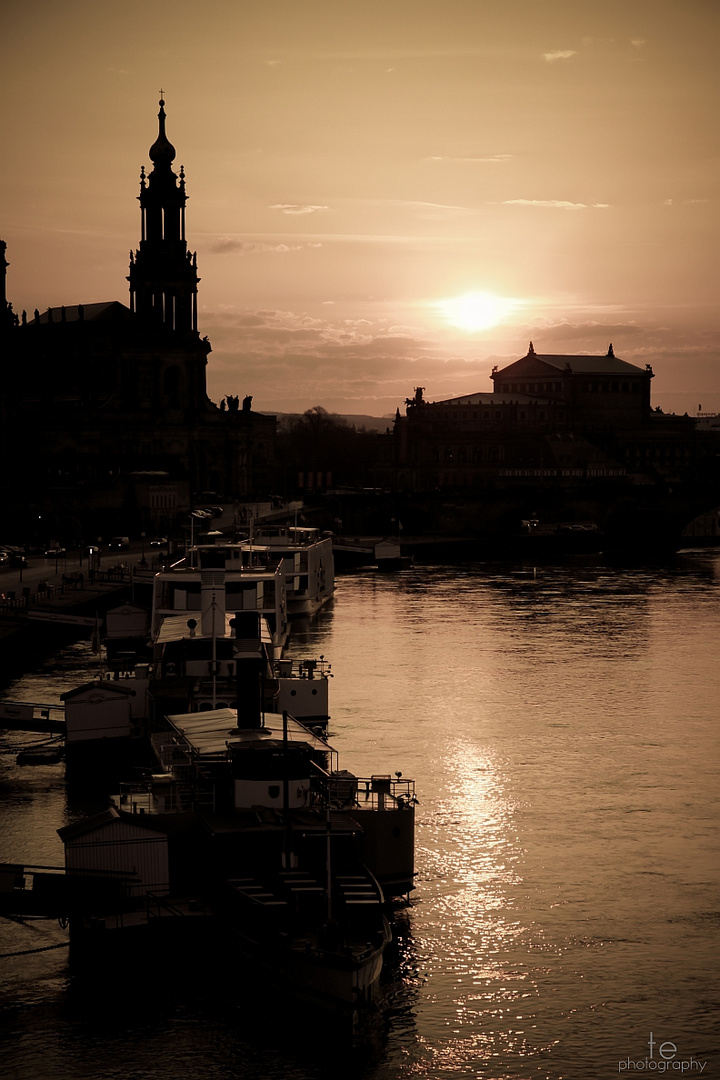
[382, 194]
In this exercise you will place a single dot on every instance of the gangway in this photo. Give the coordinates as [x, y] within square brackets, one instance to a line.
[32, 716]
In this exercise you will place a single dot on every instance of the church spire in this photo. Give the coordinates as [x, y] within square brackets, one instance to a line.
[163, 274]
[162, 150]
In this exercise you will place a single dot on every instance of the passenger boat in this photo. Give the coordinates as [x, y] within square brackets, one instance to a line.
[309, 559]
[194, 667]
[249, 839]
[243, 838]
[182, 656]
[217, 578]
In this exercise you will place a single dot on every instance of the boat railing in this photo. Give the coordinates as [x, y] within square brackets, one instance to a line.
[165, 744]
[385, 792]
[165, 794]
[302, 669]
[342, 789]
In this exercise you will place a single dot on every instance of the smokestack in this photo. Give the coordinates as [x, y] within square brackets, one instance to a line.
[248, 654]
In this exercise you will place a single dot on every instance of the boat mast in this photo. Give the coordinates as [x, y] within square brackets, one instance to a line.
[328, 859]
[214, 651]
[287, 853]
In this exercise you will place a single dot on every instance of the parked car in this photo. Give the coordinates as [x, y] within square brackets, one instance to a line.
[55, 552]
[159, 541]
[4, 558]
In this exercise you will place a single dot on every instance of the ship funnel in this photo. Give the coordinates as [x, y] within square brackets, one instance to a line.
[248, 654]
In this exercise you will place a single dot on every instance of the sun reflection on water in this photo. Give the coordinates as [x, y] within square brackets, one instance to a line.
[480, 975]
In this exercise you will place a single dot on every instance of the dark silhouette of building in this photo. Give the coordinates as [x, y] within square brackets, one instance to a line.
[551, 420]
[106, 421]
[591, 390]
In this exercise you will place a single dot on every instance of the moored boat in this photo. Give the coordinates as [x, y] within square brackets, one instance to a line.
[309, 560]
[214, 580]
[109, 723]
[249, 822]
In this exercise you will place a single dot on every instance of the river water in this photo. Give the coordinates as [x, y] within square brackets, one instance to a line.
[561, 723]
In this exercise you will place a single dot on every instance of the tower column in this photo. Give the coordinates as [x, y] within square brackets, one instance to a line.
[163, 278]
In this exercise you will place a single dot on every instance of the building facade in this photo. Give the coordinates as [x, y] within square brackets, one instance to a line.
[550, 420]
[104, 406]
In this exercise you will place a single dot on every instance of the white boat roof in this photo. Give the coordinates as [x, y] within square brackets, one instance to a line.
[175, 628]
[209, 732]
[231, 573]
[293, 537]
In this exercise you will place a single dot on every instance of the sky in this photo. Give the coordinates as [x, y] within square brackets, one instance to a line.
[382, 195]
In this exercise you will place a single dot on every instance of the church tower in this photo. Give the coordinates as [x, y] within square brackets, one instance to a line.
[163, 274]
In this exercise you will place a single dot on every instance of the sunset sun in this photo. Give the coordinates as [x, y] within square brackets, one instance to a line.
[475, 310]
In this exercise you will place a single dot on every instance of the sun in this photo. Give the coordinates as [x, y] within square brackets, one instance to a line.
[475, 310]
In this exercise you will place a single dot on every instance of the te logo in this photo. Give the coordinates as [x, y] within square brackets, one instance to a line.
[666, 1050]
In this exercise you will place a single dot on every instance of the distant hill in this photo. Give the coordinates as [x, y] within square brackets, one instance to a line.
[370, 423]
[356, 420]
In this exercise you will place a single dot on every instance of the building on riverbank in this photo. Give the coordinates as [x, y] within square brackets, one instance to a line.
[105, 421]
[555, 420]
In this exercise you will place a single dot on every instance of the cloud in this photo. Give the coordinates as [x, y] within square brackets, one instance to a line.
[492, 159]
[231, 246]
[430, 210]
[638, 341]
[559, 54]
[291, 361]
[425, 210]
[585, 332]
[298, 208]
[555, 204]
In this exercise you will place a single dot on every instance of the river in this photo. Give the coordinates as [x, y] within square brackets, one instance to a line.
[561, 724]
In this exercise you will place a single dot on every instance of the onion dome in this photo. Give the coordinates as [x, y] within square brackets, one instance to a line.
[162, 151]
